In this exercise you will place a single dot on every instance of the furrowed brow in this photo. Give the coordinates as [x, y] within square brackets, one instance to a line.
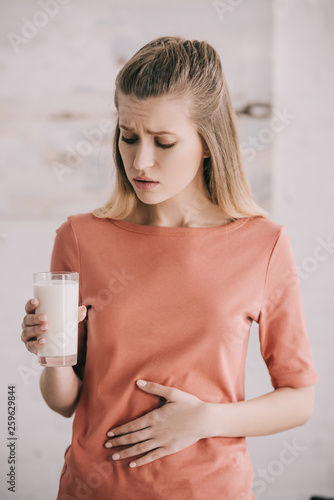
[151, 132]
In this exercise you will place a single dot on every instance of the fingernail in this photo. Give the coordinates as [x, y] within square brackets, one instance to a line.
[41, 341]
[141, 383]
[108, 445]
[42, 317]
[132, 464]
[44, 327]
[110, 434]
[116, 456]
[34, 301]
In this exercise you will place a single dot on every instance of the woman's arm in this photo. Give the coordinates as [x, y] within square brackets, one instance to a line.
[60, 388]
[184, 419]
[274, 412]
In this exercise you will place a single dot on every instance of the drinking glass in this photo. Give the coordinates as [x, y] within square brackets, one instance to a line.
[58, 295]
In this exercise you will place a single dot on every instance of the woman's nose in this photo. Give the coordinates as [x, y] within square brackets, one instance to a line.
[144, 157]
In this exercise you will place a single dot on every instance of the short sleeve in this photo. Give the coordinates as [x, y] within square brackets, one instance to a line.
[66, 257]
[284, 342]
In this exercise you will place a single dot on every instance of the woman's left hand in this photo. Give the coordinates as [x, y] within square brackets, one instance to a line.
[179, 423]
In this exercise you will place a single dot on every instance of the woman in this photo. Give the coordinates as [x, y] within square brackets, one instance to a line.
[173, 270]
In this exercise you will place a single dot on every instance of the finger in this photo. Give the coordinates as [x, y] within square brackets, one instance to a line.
[34, 319]
[133, 426]
[34, 345]
[82, 311]
[169, 393]
[137, 449]
[132, 438]
[31, 305]
[149, 457]
[32, 332]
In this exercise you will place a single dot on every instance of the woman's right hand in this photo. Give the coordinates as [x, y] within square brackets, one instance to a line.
[34, 325]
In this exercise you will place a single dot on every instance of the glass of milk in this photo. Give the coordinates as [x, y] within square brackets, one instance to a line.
[58, 295]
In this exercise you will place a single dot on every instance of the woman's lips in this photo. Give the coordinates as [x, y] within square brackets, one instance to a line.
[145, 185]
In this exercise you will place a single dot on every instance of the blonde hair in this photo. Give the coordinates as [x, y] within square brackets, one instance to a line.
[176, 67]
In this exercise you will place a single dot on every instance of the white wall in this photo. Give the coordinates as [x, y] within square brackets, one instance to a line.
[60, 84]
[303, 200]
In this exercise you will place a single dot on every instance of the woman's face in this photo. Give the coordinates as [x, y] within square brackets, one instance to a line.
[158, 141]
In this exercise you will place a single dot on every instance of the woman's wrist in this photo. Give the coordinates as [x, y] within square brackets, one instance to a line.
[213, 415]
[277, 411]
[207, 420]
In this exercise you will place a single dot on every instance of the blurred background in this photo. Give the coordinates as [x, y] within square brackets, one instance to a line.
[59, 60]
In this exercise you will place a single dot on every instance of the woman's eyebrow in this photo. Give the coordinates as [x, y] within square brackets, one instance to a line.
[151, 132]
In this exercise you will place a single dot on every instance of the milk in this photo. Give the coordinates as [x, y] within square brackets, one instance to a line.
[58, 299]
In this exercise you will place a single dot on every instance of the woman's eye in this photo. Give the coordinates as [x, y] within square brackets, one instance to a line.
[128, 141]
[132, 141]
[164, 146]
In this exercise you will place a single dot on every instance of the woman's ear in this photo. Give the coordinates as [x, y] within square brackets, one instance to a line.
[206, 150]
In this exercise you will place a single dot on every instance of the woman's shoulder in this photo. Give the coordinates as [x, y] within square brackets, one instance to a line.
[265, 228]
[82, 222]
[84, 218]
[267, 224]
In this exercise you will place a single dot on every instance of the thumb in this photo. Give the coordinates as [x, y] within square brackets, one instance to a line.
[169, 393]
[82, 311]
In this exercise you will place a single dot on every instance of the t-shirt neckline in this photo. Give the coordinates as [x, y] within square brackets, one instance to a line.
[177, 231]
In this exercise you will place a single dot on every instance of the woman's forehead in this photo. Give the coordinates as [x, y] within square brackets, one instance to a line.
[162, 111]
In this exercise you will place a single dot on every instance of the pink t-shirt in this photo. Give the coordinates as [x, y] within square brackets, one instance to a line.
[174, 305]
